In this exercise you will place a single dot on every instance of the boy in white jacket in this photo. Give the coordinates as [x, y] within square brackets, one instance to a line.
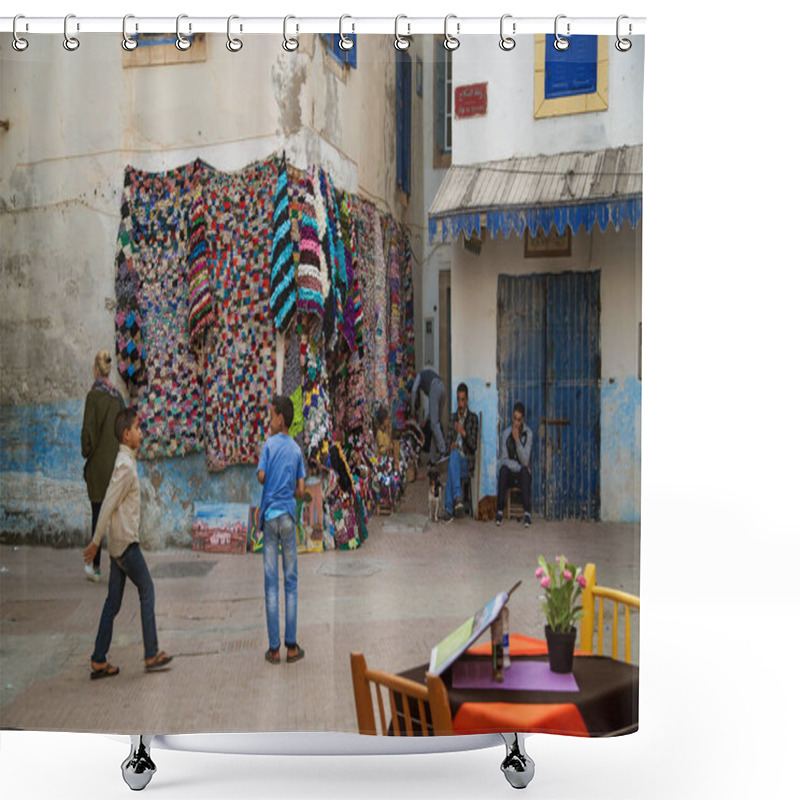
[120, 513]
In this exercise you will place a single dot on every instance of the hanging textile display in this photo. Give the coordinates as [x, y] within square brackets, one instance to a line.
[283, 297]
[309, 278]
[239, 377]
[163, 372]
[201, 293]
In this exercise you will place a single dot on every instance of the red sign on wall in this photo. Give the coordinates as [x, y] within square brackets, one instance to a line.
[471, 100]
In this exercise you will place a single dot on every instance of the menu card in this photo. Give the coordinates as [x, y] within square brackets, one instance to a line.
[452, 646]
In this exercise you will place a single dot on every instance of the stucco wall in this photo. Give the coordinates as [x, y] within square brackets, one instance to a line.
[509, 129]
[75, 121]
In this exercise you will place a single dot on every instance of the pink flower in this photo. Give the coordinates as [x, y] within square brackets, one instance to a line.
[546, 581]
[581, 581]
[567, 575]
[539, 572]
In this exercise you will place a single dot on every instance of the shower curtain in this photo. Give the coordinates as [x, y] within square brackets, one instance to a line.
[321, 225]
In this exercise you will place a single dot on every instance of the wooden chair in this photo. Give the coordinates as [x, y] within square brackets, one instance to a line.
[592, 591]
[414, 709]
[514, 508]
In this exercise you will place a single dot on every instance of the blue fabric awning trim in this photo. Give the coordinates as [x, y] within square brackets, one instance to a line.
[600, 212]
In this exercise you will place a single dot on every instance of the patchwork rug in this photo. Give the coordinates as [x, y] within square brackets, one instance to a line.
[240, 346]
[164, 374]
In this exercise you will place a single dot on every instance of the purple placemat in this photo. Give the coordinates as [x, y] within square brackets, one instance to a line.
[522, 675]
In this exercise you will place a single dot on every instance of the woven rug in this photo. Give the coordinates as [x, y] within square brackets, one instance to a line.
[240, 348]
[153, 294]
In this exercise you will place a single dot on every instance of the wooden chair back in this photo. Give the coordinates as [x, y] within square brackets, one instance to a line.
[593, 593]
[405, 707]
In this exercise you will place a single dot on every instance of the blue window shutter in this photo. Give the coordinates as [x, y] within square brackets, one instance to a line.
[350, 55]
[440, 100]
[584, 64]
[403, 109]
[399, 116]
[407, 91]
[572, 71]
[343, 57]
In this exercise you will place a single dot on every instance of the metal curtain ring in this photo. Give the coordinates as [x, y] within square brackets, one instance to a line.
[623, 45]
[233, 44]
[128, 43]
[345, 43]
[401, 42]
[506, 42]
[289, 44]
[451, 42]
[181, 42]
[70, 42]
[18, 43]
[560, 43]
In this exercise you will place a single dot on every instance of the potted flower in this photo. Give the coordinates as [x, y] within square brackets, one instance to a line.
[562, 583]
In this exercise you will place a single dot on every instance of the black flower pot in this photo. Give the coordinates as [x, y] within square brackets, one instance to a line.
[560, 649]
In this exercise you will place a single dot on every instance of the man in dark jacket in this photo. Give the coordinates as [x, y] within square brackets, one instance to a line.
[463, 446]
[514, 458]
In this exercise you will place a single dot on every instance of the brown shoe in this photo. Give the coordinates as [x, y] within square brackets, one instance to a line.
[290, 659]
[159, 661]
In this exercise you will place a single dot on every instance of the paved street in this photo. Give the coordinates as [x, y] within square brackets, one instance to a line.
[410, 584]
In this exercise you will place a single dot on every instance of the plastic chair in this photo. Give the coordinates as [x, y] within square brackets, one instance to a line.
[414, 709]
[589, 594]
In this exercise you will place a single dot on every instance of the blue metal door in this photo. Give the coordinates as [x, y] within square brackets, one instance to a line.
[548, 358]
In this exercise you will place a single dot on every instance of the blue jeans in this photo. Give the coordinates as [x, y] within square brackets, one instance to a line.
[130, 564]
[457, 470]
[281, 529]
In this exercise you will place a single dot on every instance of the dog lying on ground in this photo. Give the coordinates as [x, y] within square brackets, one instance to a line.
[487, 508]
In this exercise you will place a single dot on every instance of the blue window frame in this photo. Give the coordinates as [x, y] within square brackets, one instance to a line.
[344, 57]
[403, 100]
[571, 71]
[155, 39]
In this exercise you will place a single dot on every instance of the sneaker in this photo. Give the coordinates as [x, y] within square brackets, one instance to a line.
[459, 510]
[442, 459]
[499, 518]
[527, 520]
[447, 517]
[91, 573]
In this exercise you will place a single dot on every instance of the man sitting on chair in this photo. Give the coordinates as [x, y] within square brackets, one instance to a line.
[463, 446]
[514, 457]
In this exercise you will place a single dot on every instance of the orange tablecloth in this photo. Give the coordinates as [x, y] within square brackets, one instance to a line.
[478, 717]
[606, 703]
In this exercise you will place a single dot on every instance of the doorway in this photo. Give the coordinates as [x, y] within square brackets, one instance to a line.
[548, 358]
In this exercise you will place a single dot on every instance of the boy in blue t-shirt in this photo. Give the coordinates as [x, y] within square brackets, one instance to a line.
[281, 471]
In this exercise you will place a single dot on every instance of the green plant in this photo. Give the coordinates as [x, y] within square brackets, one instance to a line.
[562, 583]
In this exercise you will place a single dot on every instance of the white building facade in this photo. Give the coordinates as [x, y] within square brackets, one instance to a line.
[541, 212]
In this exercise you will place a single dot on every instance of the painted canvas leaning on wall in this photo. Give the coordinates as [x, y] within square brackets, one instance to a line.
[272, 245]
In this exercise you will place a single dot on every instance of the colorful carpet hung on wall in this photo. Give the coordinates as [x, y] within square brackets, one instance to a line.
[155, 355]
[200, 288]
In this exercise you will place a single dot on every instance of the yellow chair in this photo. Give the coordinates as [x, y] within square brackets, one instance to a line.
[618, 598]
[424, 710]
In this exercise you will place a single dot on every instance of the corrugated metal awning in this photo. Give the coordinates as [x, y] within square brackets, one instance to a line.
[565, 189]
